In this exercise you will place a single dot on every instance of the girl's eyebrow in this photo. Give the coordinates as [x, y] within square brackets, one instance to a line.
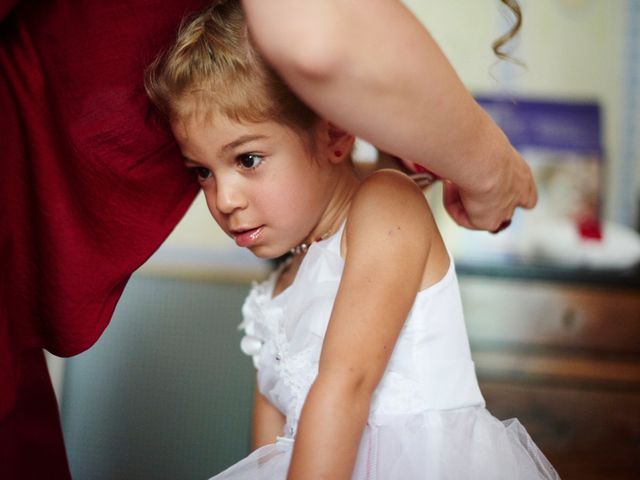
[186, 159]
[242, 140]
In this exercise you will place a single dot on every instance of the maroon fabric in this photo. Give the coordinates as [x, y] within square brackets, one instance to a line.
[89, 188]
[31, 443]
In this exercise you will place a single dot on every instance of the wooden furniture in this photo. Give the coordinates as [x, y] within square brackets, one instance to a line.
[561, 351]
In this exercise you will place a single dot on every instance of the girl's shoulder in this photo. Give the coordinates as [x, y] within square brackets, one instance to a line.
[390, 178]
[390, 229]
[391, 194]
[389, 207]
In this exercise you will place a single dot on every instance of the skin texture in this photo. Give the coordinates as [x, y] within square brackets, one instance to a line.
[267, 422]
[391, 248]
[410, 104]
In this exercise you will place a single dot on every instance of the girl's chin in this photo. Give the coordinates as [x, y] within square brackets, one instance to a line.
[267, 253]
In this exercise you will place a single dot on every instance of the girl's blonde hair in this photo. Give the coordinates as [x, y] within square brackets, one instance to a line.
[213, 68]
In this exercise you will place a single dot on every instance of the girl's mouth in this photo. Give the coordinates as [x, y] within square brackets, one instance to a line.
[247, 238]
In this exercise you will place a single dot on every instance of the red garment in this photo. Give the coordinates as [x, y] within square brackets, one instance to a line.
[89, 188]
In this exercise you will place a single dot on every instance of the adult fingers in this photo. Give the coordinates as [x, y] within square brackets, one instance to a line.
[526, 187]
[473, 211]
[454, 206]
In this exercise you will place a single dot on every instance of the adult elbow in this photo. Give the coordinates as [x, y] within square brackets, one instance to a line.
[313, 55]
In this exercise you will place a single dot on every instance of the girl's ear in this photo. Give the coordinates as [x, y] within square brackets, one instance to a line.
[340, 143]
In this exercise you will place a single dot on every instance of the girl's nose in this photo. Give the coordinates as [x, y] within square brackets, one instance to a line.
[229, 197]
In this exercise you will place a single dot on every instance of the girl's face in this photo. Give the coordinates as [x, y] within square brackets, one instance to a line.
[263, 185]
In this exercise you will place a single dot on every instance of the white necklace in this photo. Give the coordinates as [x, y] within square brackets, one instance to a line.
[304, 246]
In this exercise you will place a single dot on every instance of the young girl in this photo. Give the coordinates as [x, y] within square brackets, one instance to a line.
[364, 368]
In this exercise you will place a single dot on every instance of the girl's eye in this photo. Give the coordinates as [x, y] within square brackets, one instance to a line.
[201, 172]
[250, 160]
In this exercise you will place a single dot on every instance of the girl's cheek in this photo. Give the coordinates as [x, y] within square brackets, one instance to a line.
[210, 197]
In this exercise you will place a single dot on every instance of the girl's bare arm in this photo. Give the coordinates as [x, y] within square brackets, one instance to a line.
[389, 234]
[267, 422]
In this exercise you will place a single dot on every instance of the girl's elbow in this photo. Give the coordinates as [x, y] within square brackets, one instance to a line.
[355, 385]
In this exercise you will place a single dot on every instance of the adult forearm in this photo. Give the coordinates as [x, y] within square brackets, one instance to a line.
[329, 432]
[376, 71]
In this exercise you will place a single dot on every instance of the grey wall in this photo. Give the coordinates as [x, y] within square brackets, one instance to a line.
[166, 392]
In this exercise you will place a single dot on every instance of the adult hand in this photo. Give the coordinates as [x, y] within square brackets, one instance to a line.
[492, 209]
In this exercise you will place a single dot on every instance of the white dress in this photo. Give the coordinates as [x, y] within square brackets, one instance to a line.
[427, 418]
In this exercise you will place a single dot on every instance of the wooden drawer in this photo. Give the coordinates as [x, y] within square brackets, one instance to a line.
[532, 314]
[586, 434]
[564, 360]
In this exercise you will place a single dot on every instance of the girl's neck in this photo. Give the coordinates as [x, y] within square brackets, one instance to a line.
[337, 208]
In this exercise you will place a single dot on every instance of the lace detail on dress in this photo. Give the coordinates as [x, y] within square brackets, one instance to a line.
[287, 375]
[298, 371]
[259, 321]
[284, 335]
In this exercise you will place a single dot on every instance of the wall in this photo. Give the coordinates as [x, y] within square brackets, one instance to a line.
[166, 392]
[573, 49]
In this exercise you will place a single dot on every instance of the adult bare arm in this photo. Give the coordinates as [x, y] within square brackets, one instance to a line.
[375, 70]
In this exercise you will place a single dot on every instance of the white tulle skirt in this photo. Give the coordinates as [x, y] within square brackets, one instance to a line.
[463, 444]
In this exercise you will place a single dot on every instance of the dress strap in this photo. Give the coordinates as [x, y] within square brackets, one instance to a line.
[334, 241]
